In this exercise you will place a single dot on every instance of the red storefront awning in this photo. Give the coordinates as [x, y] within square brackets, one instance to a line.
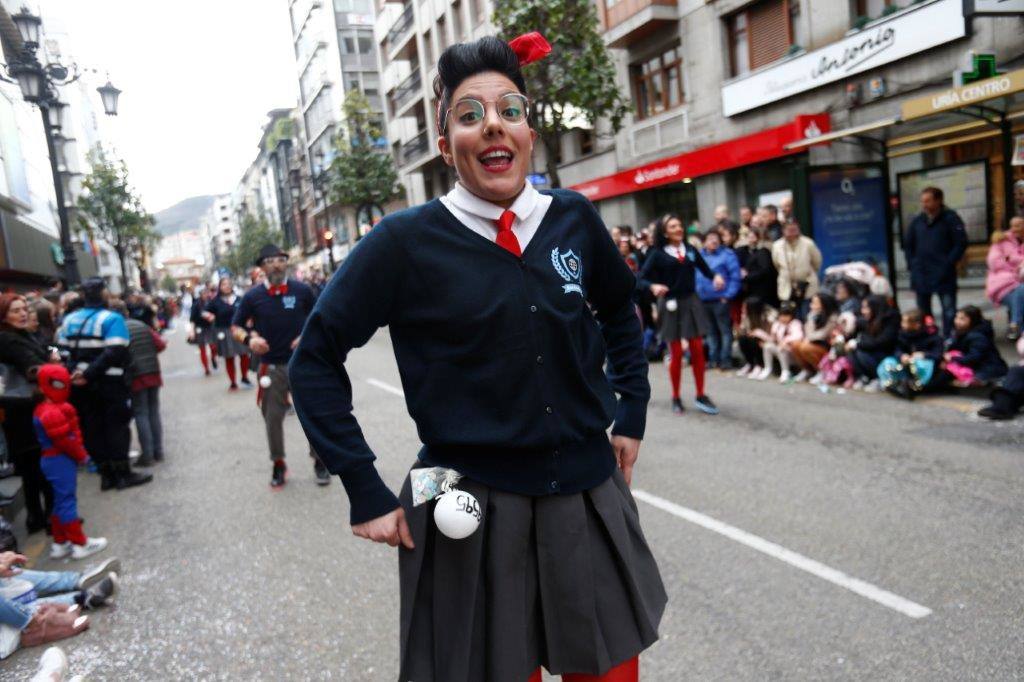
[741, 151]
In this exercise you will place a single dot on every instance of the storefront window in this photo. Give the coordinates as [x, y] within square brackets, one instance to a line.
[658, 83]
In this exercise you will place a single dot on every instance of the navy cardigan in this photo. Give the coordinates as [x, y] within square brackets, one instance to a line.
[501, 358]
[679, 277]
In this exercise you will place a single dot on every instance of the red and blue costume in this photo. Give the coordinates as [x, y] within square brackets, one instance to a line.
[56, 424]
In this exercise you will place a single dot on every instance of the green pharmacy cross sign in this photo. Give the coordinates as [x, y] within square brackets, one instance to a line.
[984, 67]
[58, 254]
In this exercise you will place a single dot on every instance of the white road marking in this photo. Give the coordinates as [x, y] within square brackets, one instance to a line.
[837, 577]
[386, 387]
[855, 585]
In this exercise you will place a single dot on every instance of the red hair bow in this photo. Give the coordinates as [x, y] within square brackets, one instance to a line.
[530, 47]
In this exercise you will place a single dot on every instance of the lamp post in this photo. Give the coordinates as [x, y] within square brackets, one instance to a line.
[38, 84]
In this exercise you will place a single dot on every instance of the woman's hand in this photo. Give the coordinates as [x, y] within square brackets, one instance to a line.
[390, 528]
[718, 282]
[626, 452]
[659, 290]
[9, 562]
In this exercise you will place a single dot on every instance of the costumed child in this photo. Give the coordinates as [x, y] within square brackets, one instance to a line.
[918, 353]
[56, 423]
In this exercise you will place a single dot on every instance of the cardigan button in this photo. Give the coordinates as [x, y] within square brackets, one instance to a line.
[522, 262]
[549, 410]
[554, 485]
[540, 359]
[533, 308]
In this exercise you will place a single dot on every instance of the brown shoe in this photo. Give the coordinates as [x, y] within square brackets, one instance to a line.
[51, 625]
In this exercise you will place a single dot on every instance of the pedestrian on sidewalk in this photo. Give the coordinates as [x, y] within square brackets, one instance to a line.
[877, 332]
[669, 274]
[269, 321]
[24, 355]
[220, 311]
[57, 427]
[1004, 283]
[934, 243]
[821, 322]
[201, 330]
[94, 344]
[145, 344]
[501, 331]
[786, 331]
[716, 301]
[797, 260]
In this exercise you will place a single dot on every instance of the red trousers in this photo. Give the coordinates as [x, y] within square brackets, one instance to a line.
[624, 672]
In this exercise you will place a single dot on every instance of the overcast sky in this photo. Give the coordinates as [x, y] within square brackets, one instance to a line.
[198, 77]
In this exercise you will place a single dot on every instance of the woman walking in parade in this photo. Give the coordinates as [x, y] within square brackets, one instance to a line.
[201, 331]
[220, 310]
[670, 274]
[503, 304]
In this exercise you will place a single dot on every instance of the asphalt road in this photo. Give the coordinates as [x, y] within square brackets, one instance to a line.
[800, 536]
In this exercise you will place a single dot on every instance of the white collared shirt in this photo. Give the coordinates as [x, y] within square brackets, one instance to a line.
[479, 215]
[677, 252]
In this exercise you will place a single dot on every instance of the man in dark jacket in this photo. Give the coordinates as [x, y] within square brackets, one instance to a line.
[934, 243]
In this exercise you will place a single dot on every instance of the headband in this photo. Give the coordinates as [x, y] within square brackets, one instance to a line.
[529, 47]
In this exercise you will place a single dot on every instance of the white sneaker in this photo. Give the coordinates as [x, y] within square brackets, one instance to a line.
[53, 665]
[60, 550]
[743, 371]
[816, 379]
[764, 374]
[785, 376]
[871, 386]
[803, 376]
[858, 385]
[91, 546]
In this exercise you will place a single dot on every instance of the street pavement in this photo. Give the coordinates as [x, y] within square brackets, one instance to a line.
[800, 535]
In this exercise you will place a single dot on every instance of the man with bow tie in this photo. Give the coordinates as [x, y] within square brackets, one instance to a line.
[277, 310]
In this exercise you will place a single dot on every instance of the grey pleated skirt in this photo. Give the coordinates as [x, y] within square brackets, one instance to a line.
[685, 322]
[206, 336]
[563, 581]
[227, 347]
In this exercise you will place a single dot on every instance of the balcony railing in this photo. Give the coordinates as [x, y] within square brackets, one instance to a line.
[661, 131]
[407, 89]
[400, 28]
[415, 148]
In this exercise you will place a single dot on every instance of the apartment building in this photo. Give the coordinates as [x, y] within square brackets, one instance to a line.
[846, 106]
[334, 54]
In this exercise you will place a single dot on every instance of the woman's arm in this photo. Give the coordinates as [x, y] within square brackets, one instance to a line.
[360, 299]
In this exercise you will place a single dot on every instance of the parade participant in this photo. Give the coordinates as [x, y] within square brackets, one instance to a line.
[669, 273]
[201, 331]
[278, 309]
[220, 312]
[56, 426]
[94, 344]
[503, 304]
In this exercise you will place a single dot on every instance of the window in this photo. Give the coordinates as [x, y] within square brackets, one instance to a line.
[873, 8]
[353, 6]
[442, 36]
[759, 35]
[428, 50]
[586, 142]
[365, 44]
[658, 83]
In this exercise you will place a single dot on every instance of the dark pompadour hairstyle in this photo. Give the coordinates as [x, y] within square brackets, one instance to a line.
[462, 60]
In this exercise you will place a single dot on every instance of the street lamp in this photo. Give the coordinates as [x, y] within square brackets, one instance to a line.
[329, 241]
[38, 84]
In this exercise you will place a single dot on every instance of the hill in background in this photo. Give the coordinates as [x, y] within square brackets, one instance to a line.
[183, 215]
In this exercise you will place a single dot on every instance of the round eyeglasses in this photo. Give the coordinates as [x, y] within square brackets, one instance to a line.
[512, 108]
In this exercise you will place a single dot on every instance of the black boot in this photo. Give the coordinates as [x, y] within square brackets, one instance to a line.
[1004, 405]
[108, 479]
[126, 478]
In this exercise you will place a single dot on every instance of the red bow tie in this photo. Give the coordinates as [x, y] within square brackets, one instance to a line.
[278, 289]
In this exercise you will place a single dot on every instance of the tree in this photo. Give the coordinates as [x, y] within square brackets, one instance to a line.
[253, 234]
[110, 208]
[168, 283]
[362, 172]
[577, 78]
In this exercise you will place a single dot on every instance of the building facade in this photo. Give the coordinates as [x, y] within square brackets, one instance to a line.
[747, 103]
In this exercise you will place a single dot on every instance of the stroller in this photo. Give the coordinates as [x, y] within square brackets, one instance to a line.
[861, 277]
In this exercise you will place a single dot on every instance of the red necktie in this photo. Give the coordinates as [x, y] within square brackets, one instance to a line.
[278, 290]
[680, 255]
[506, 237]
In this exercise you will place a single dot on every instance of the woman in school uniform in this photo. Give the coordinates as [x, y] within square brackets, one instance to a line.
[201, 330]
[670, 274]
[219, 312]
[502, 303]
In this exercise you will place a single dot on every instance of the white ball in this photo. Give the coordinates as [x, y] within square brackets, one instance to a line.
[457, 514]
[671, 305]
[220, 336]
[265, 381]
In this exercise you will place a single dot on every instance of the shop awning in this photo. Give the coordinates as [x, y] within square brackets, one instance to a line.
[852, 131]
[741, 151]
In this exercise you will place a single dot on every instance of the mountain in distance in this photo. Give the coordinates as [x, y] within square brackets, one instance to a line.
[183, 215]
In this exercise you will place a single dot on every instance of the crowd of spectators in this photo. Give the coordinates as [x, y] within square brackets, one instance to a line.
[781, 314]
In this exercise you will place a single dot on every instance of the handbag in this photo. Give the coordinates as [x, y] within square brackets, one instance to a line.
[14, 387]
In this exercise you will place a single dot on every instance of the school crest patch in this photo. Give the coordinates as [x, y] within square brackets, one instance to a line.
[569, 267]
[288, 302]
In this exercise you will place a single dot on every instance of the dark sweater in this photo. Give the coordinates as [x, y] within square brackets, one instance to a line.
[278, 319]
[883, 340]
[223, 311]
[921, 341]
[762, 279]
[501, 358]
[679, 277]
[979, 352]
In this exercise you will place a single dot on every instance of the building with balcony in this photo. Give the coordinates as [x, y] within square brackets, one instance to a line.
[335, 53]
[845, 106]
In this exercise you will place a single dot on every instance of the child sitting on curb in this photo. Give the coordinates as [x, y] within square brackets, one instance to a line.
[786, 331]
[972, 357]
[918, 355]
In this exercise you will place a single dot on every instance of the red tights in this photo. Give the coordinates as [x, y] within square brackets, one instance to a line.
[675, 364]
[229, 365]
[625, 672]
[204, 359]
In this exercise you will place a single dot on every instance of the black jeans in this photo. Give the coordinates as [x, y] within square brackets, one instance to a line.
[751, 350]
[105, 414]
